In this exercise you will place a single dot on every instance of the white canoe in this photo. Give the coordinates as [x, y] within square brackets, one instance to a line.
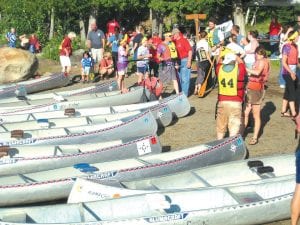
[178, 104]
[140, 125]
[235, 205]
[227, 174]
[97, 88]
[162, 114]
[56, 184]
[34, 85]
[81, 101]
[28, 159]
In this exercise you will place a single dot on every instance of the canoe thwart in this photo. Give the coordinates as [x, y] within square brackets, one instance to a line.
[265, 169]
[255, 163]
[17, 134]
[70, 112]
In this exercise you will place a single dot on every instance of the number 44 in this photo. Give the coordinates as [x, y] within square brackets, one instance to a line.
[226, 84]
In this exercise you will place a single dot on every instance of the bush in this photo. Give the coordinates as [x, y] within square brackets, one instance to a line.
[51, 49]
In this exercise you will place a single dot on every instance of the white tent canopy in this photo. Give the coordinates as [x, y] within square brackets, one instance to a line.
[274, 2]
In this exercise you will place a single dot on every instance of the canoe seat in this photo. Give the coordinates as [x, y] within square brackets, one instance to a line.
[70, 112]
[17, 134]
[2, 154]
[44, 123]
[4, 148]
[265, 169]
[255, 163]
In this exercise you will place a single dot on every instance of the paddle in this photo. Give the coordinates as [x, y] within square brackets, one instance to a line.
[202, 90]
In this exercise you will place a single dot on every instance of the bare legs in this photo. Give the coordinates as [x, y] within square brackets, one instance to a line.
[295, 206]
[257, 120]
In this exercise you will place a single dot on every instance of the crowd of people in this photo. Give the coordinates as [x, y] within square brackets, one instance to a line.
[30, 43]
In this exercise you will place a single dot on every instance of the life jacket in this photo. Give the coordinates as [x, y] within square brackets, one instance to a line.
[166, 55]
[213, 37]
[292, 58]
[154, 85]
[231, 85]
[173, 50]
[257, 82]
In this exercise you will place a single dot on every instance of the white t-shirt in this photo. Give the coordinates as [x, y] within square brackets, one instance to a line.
[142, 50]
[203, 44]
[237, 49]
[250, 57]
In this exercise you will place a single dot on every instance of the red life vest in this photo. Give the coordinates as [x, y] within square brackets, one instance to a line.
[257, 82]
[292, 58]
[154, 85]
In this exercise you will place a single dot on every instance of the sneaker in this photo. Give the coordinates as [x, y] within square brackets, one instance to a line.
[282, 86]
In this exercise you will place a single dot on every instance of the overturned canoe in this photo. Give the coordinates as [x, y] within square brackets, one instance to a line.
[237, 205]
[178, 104]
[56, 184]
[97, 88]
[28, 159]
[227, 174]
[81, 101]
[140, 125]
[32, 86]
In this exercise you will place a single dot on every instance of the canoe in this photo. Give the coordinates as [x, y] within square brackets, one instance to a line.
[136, 126]
[82, 101]
[57, 184]
[35, 85]
[227, 174]
[178, 104]
[237, 205]
[28, 159]
[97, 88]
[162, 114]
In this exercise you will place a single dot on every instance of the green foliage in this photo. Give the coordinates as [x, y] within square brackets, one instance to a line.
[51, 50]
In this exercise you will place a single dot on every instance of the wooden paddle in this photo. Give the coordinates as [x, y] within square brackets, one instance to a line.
[202, 90]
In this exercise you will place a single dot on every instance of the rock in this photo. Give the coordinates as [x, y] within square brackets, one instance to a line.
[16, 65]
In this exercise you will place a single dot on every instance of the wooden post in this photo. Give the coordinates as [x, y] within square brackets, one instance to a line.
[196, 18]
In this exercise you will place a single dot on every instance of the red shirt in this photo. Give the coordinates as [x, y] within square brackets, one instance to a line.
[274, 28]
[183, 47]
[240, 85]
[66, 45]
[105, 63]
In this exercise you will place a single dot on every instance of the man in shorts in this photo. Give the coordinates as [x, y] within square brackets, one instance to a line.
[231, 75]
[96, 42]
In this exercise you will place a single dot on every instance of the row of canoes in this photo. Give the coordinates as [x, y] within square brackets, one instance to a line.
[103, 146]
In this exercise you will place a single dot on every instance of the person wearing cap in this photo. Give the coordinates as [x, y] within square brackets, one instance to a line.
[96, 42]
[258, 76]
[289, 63]
[143, 55]
[231, 73]
[65, 52]
[184, 51]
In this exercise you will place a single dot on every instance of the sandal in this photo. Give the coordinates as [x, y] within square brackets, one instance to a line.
[285, 114]
[253, 141]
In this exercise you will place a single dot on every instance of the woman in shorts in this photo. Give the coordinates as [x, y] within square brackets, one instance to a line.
[122, 64]
[258, 76]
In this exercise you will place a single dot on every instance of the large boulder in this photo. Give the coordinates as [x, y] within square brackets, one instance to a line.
[16, 65]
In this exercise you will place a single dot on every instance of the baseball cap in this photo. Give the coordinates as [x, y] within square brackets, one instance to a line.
[229, 58]
[168, 34]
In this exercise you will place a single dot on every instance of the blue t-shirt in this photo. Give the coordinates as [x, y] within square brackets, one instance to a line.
[96, 38]
[115, 42]
[86, 62]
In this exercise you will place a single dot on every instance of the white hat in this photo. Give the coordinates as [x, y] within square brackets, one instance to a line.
[230, 57]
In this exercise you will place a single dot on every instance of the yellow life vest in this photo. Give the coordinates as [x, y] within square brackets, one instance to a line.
[210, 35]
[228, 81]
[173, 50]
